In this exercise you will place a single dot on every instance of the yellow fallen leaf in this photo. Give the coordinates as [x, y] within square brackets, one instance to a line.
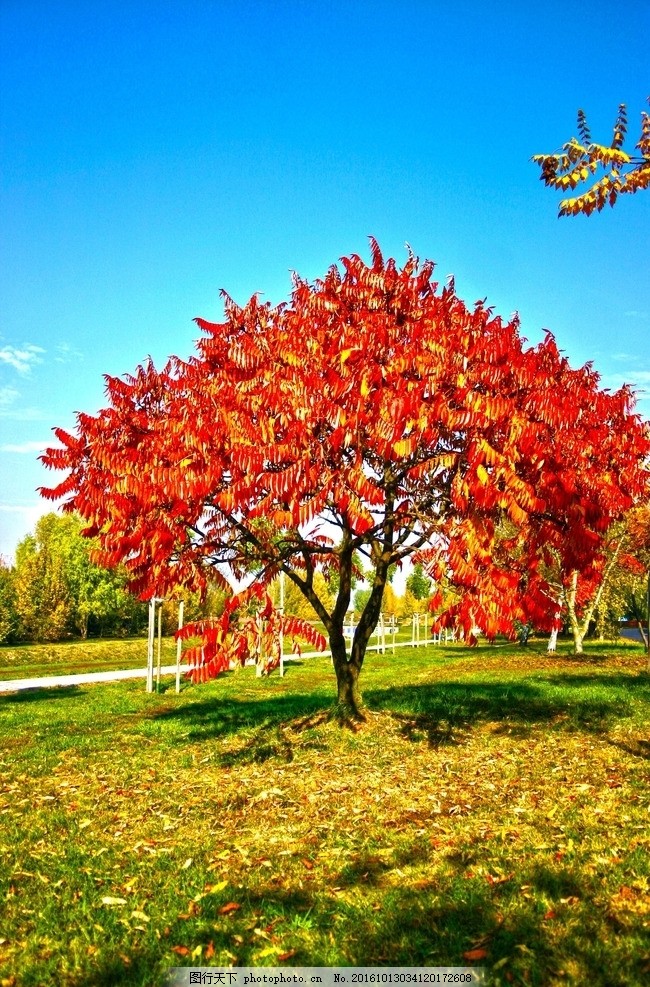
[213, 888]
[108, 900]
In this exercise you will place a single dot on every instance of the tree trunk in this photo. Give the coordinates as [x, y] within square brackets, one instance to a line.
[557, 623]
[570, 597]
[348, 702]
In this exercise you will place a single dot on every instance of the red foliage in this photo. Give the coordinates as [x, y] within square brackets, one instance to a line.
[249, 627]
[374, 402]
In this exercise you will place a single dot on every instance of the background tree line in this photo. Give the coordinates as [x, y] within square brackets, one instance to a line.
[54, 590]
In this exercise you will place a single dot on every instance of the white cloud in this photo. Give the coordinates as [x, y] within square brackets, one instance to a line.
[7, 396]
[23, 359]
[16, 521]
[25, 448]
[22, 414]
[67, 354]
[637, 379]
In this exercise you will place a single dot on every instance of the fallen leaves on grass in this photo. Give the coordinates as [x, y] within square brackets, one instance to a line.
[180, 950]
[473, 955]
[229, 908]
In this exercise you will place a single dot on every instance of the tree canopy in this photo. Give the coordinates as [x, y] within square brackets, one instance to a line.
[581, 159]
[418, 583]
[371, 415]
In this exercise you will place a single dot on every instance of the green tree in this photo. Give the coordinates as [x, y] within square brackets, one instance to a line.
[410, 604]
[8, 615]
[42, 596]
[418, 584]
[60, 591]
[295, 603]
[361, 598]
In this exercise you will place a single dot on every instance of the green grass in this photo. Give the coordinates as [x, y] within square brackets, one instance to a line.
[494, 804]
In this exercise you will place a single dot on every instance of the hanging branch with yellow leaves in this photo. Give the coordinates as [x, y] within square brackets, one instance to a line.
[581, 160]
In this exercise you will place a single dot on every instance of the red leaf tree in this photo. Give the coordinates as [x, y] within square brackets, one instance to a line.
[372, 413]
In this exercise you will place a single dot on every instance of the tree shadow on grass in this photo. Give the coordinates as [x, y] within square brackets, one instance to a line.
[439, 921]
[114, 972]
[362, 916]
[637, 748]
[638, 684]
[260, 724]
[40, 692]
[438, 710]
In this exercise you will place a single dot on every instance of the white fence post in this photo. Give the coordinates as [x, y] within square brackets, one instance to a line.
[281, 609]
[181, 606]
[150, 638]
[260, 648]
[159, 645]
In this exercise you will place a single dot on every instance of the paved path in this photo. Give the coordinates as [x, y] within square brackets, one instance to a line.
[83, 678]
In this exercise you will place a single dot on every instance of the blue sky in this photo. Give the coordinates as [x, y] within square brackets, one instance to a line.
[153, 153]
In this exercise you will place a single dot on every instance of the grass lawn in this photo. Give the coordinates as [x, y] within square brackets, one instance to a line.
[493, 810]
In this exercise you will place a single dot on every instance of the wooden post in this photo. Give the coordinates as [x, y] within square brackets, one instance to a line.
[260, 649]
[181, 607]
[281, 608]
[150, 637]
[159, 644]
